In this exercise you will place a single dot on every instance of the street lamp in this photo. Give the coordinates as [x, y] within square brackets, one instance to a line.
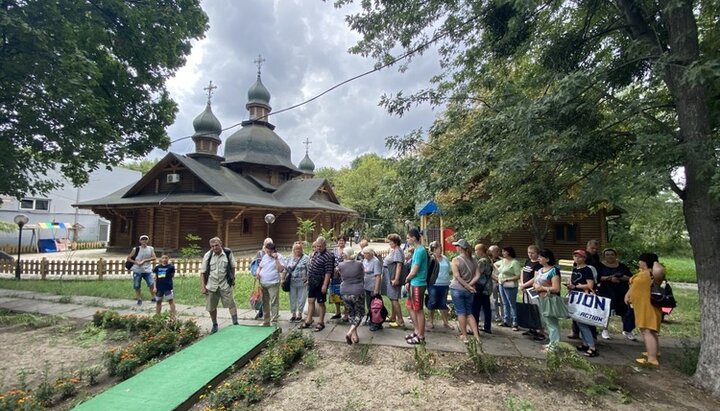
[20, 220]
[269, 219]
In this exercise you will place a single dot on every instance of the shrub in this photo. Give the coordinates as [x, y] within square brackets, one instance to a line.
[18, 400]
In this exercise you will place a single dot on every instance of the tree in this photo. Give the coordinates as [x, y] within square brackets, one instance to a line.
[142, 166]
[82, 84]
[650, 67]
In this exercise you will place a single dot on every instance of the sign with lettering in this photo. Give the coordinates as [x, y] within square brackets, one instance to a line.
[589, 308]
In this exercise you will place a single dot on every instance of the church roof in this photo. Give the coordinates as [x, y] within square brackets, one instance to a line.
[306, 164]
[227, 187]
[257, 143]
[206, 124]
[257, 93]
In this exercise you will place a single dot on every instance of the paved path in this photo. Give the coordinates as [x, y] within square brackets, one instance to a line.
[502, 342]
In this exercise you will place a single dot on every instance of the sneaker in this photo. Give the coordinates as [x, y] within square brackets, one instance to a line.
[629, 336]
[259, 315]
[214, 329]
[605, 335]
[153, 300]
[139, 302]
[336, 317]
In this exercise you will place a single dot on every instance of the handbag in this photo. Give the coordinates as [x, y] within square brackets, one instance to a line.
[528, 316]
[552, 305]
[256, 297]
[661, 296]
[288, 277]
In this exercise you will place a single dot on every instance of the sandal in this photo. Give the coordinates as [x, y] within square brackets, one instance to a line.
[591, 353]
[411, 336]
[305, 325]
[319, 327]
[582, 347]
[416, 340]
[645, 361]
[515, 328]
[348, 340]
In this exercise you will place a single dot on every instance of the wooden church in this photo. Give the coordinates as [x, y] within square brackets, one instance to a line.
[228, 196]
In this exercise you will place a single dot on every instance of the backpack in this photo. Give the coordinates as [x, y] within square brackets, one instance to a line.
[229, 275]
[129, 264]
[378, 312]
[433, 270]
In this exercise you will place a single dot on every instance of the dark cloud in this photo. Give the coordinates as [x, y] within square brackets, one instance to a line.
[305, 46]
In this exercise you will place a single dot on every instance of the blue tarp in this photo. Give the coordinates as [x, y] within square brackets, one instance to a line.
[427, 208]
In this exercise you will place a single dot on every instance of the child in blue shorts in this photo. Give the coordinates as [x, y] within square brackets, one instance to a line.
[163, 287]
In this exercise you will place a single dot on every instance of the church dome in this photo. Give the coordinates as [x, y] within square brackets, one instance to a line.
[306, 164]
[257, 144]
[207, 124]
[258, 93]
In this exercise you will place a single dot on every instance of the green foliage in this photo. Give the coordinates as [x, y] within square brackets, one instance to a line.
[7, 227]
[516, 404]
[564, 356]
[687, 359]
[192, 250]
[83, 84]
[271, 366]
[327, 233]
[142, 166]
[681, 269]
[423, 362]
[483, 363]
[27, 320]
[305, 228]
[18, 399]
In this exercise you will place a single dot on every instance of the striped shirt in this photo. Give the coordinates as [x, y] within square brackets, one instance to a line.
[321, 263]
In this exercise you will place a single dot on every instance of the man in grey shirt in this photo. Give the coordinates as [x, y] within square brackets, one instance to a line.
[217, 279]
[142, 256]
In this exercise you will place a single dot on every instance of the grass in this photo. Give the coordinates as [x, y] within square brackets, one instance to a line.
[187, 289]
[680, 269]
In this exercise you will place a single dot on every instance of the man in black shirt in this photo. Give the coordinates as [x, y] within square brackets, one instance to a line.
[320, 270]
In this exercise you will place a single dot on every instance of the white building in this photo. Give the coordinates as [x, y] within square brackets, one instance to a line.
[57, 207]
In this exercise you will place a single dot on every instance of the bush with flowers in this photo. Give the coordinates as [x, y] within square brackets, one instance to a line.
[269, 367]
[159, 335]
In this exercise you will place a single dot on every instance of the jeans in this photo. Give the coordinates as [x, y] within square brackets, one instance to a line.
[297, 297]
[482, 302]
[586, 334]
[462, 300]
[552, 325]
[509, 299]
[271, 303]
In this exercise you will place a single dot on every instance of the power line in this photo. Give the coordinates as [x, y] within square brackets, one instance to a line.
[419, 48]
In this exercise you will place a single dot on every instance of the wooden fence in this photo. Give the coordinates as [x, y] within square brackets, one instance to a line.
[87, 269]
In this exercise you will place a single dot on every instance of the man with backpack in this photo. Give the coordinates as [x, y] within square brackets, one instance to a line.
[217, 281]
[141, 258]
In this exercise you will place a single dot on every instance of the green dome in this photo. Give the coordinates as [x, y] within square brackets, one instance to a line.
[206, 124]
[258, 93]
[306, 164]
[257, 144]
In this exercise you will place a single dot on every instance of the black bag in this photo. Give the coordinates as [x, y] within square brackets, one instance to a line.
[528, 316]
[661, 296]
[433, 270]
[129, 264]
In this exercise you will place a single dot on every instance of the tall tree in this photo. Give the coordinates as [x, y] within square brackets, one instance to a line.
[82, 83]
[652, 65]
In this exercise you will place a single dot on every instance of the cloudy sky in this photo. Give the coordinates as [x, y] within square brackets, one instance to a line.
[304, 43]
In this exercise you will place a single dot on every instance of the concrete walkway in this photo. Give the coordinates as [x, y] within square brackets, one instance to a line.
[502, 341]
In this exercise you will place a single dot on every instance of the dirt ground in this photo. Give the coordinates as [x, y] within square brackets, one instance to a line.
[340, 377]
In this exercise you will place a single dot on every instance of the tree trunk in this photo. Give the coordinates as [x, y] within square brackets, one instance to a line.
[701, 209]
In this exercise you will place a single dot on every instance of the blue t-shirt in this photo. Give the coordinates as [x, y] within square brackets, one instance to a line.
[164, 275]
[444, 275]
[419, 258]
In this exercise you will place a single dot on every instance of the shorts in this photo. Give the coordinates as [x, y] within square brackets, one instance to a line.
[166, 295]
[462, 300]
[437, 297]
[137, 277]
[315, 291]
[213, 297]
[415, 300]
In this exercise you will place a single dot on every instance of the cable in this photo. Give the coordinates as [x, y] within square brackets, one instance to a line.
[390, 63]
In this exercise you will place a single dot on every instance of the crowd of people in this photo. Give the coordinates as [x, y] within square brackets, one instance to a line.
[483, 284]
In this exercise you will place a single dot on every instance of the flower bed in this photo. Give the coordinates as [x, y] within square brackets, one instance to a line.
[269, 367]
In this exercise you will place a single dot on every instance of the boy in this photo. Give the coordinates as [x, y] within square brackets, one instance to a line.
[163, 287]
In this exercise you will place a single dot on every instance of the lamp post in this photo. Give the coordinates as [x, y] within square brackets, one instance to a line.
[269, 219]
[20, 220]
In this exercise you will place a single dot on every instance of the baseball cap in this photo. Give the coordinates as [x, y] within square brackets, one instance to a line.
[581, 253]
[462, 243]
